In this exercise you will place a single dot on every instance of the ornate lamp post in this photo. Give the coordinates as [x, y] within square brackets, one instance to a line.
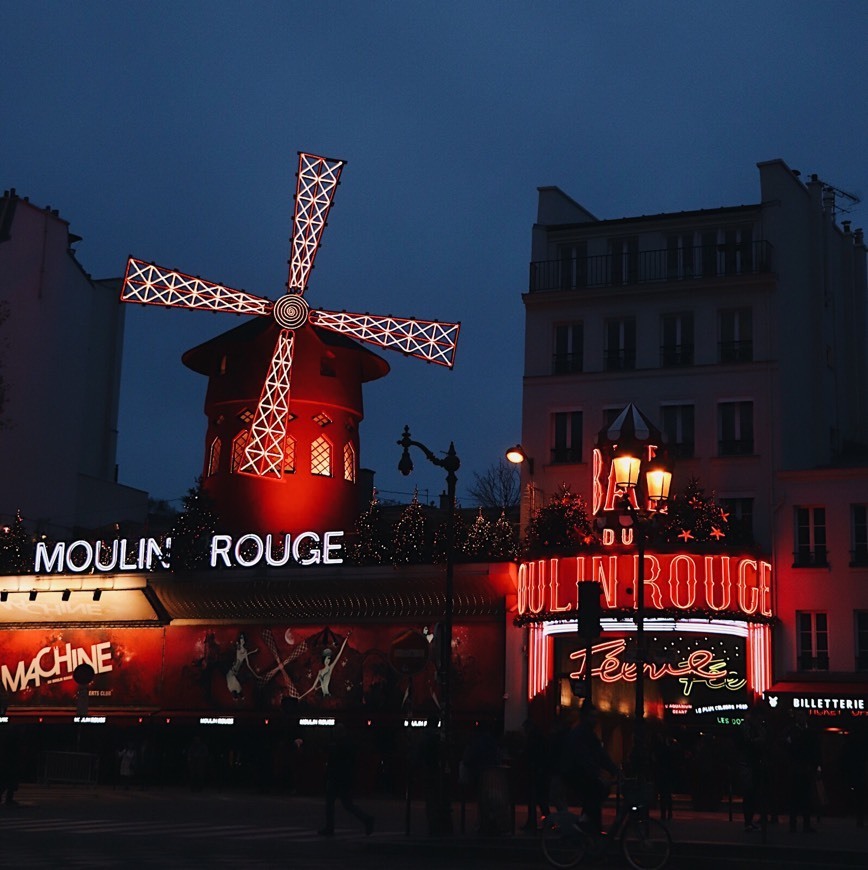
[450, 463]
[642, 477]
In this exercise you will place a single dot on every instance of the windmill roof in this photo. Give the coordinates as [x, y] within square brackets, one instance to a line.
[201, 358]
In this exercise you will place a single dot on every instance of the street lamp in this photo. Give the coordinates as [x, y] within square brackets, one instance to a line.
[450, 463]
[517, 455]
[642, 478]
[658, 478]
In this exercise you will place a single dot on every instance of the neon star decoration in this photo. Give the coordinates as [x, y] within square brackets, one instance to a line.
[686, 535]
[716, 533]
[317, 179]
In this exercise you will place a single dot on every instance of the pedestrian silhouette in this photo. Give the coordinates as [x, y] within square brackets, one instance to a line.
[340, 781]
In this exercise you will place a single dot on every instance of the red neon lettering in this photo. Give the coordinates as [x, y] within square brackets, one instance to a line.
[597, 486]
[651, 578]
[725, 583]
[536, 586]
[748, 593]
[521, 591]
[683, 594]
[554, 588]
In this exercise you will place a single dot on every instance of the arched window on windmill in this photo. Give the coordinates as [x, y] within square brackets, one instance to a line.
[289, 455]
[349, 462]
[239, 442]
[321, 457]
[214, 456]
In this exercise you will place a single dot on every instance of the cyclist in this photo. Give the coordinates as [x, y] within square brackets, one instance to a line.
[586, 767]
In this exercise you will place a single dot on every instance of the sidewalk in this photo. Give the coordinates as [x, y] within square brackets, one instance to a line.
[692, 832]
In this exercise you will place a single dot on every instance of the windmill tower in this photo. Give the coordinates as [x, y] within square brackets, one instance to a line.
[281, 459]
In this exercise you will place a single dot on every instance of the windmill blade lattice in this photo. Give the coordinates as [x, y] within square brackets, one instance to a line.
[316, 182]
[428, 339]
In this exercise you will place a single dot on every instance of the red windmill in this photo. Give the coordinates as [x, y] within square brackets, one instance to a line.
[265, 441]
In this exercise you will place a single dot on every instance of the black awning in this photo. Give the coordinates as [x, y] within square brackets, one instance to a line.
[317, 593]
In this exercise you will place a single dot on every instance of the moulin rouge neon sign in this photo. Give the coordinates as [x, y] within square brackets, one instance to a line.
[147, 554]
[698, 667]
[673, 581]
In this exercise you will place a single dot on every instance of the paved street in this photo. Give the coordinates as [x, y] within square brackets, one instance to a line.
[178, 829]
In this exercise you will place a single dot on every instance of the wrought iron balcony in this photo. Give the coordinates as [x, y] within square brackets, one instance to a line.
[643, 267]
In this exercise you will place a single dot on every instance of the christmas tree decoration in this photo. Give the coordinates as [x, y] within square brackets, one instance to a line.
[371, 546]
[477, 542]
[16, 548]
[192, 531]
[561, 526]
[409, 544]
[504, 540]
[693, 518]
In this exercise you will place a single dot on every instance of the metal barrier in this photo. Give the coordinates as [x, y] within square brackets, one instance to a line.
[76, 768]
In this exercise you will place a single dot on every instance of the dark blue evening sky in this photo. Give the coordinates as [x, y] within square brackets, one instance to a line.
[169, 130]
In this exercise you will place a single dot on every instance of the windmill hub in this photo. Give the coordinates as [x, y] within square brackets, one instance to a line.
[291, 311]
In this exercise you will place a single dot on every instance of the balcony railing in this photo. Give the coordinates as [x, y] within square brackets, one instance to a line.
[562, 455]
[643, 267]
[735, 447]
[566, 363]
[859, 557]
[736, 351]
[818, 662]
[816, 558]
[672, 355]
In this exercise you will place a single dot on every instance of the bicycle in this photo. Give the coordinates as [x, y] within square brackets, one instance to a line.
[645, 842]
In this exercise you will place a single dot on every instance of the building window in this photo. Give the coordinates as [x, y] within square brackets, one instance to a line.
[680, 257]
[322, 419]
[245, 415]
[739, 519]
[678, 428]
[214, 457]
[289, 455]
[573, 265]
[810, 537]
[620, 344]
[859, 534]
[735, 429]
[239, 442]
[321, 457]
[569, 346]
[349, 463]
[676, 347]
[736, 335]
[861, 640]
[624, 257]
[812, 641]
[567, 436]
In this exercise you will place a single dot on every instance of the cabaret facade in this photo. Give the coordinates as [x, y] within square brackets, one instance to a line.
[740, 331]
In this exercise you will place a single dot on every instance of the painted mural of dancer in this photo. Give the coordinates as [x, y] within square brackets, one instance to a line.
[242, 657]
[323, 678]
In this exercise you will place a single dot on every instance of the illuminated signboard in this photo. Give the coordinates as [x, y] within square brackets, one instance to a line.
[685, 674]
[820, 704]
[673, 581]
[147, 554]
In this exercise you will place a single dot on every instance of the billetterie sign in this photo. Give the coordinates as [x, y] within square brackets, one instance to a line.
[226, 551]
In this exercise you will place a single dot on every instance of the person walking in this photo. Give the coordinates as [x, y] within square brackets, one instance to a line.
[536, 755]
[340, 782]
[587, 768]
